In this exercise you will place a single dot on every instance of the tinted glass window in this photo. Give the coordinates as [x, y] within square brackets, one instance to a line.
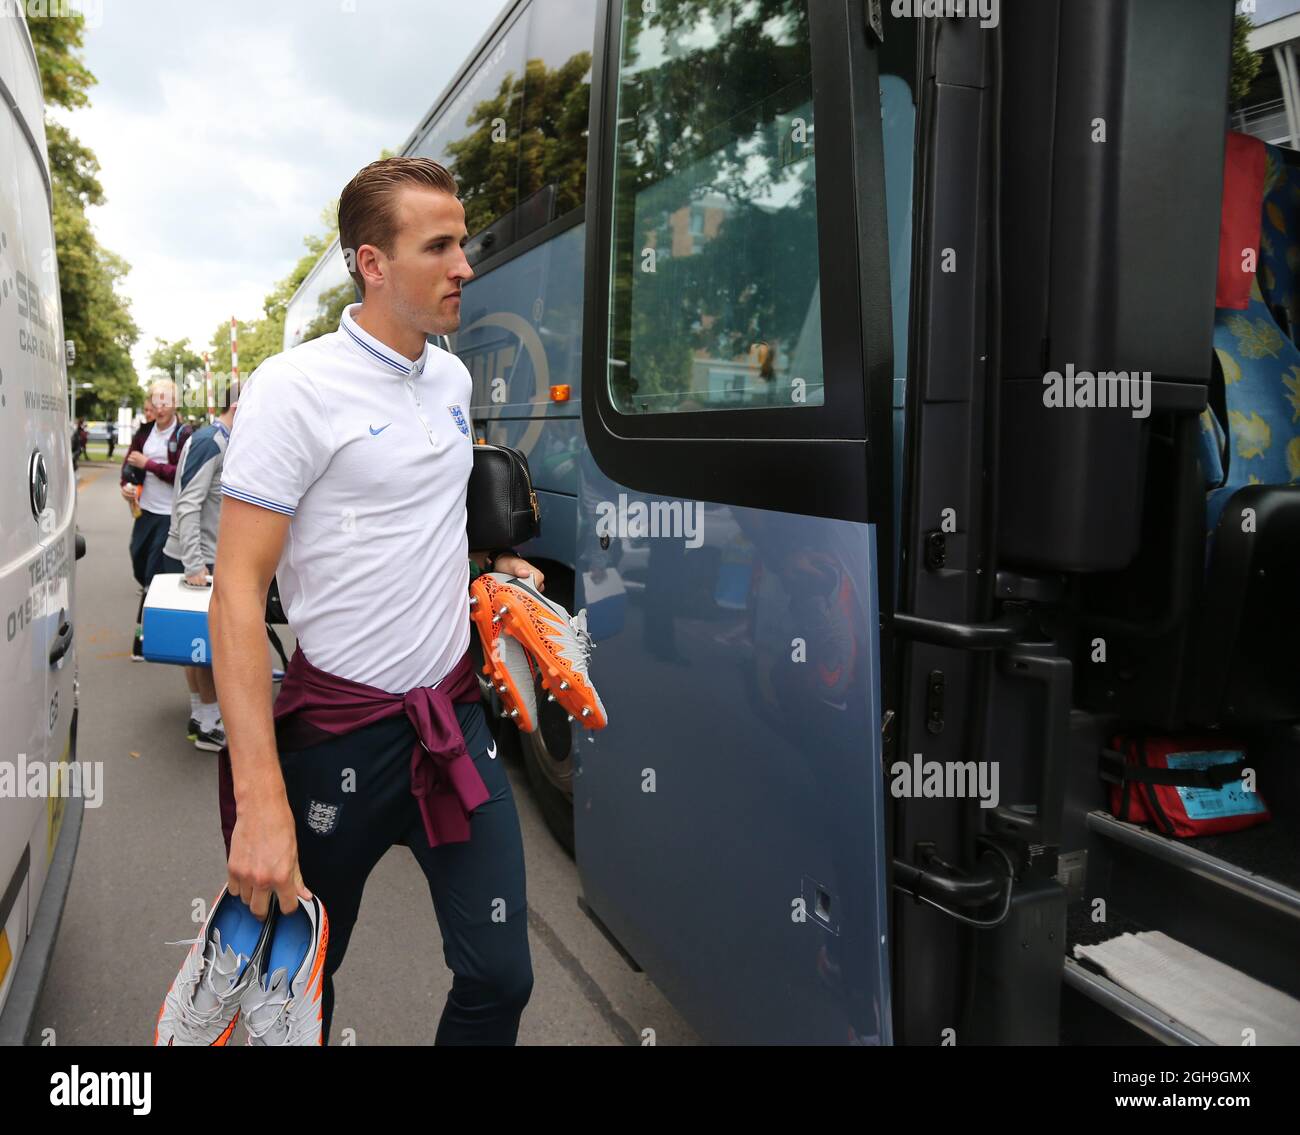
[557, 92]
[715, 289]
[318, 306]
[477, 135]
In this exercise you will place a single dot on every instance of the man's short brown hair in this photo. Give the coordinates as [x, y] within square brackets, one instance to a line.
[368, 203]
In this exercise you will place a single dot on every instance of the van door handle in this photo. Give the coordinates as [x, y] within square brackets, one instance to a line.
[62, 643]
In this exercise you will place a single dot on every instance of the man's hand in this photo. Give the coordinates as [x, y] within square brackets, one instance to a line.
[520, 568]
[128, 492]
[198, 579]
[136, 458]
[264, 858]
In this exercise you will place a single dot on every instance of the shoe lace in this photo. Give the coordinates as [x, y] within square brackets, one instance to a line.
[272, 1003]
[582, 641]
[577, 649]
[194, 1023]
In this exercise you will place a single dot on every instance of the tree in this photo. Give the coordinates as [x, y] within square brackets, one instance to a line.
[1245, 63]
[179, 362]
[261, 338]
[330, 310]
[175, 359]
[95, 316]
[550, 123]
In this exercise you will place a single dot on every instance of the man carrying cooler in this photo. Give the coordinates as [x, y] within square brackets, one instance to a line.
[191, 549]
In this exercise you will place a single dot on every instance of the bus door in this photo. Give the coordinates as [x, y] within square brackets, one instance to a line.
[734, 528]
[1059, 208]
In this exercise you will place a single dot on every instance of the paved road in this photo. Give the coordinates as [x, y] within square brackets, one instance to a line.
[154, 847]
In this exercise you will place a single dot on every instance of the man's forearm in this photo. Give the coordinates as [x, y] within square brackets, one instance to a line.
[189, 532]
[242, 672]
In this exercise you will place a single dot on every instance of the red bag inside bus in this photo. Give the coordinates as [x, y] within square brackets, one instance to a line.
[1182, 786]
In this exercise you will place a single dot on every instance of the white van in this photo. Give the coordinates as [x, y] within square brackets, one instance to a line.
[38, 550]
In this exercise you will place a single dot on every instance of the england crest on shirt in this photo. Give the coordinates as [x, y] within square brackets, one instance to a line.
[458, 416]
[322, 818]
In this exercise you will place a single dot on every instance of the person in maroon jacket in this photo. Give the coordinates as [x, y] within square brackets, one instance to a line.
[148, 474]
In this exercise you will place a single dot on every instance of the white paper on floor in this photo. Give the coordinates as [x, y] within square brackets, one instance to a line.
[1214, 999]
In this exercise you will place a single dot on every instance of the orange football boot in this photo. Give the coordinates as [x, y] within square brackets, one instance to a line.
[504, 660]
[558, 643]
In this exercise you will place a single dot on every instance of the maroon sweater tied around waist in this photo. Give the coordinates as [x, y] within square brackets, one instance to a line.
[314, 706]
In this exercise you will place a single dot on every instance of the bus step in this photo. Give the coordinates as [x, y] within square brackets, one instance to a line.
[1242, 917]
[1213, 868]
[1199, 994]
[1148, 1021]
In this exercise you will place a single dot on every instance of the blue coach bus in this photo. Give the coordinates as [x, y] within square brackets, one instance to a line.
[780, 297]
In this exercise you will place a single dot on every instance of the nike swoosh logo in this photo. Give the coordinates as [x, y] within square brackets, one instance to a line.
[376, 432]
[492, 752]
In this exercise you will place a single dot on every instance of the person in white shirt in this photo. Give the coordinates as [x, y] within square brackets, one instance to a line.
[152, 463]
[345, 478]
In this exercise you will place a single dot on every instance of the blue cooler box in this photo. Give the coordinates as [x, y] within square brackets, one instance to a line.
[175, 625]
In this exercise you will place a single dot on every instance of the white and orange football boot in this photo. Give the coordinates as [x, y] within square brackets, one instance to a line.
[558, 642]
[282, 1006]
[504, 660]
[202, 1005]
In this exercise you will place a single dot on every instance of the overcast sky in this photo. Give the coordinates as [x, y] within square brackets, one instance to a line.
[223, 129]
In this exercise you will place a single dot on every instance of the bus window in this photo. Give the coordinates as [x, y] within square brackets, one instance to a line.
[715, 300]
[477, 135]
[316, 307]
[557, 91]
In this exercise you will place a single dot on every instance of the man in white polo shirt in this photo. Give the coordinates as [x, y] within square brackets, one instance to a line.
[345, 479]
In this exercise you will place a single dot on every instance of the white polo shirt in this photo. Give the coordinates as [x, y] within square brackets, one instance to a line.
[156, 496]
[370, 454]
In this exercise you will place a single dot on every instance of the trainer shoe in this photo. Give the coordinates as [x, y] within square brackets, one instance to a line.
[213, 740]
[282, 1007]
[560, 645]
[192, 729]
[202, 1005]
[504, 660]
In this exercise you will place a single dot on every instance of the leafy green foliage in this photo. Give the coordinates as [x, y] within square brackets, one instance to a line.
[259, 339]
[95, 316]
[57, 39]
[1245, 63]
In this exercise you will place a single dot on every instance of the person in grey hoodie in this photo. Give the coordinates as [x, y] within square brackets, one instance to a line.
[191, 550]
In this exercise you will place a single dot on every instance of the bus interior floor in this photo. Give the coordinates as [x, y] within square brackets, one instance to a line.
[1082, 930]
[1270, 850]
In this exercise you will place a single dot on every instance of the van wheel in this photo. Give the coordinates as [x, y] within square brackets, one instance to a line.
[548, 750]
